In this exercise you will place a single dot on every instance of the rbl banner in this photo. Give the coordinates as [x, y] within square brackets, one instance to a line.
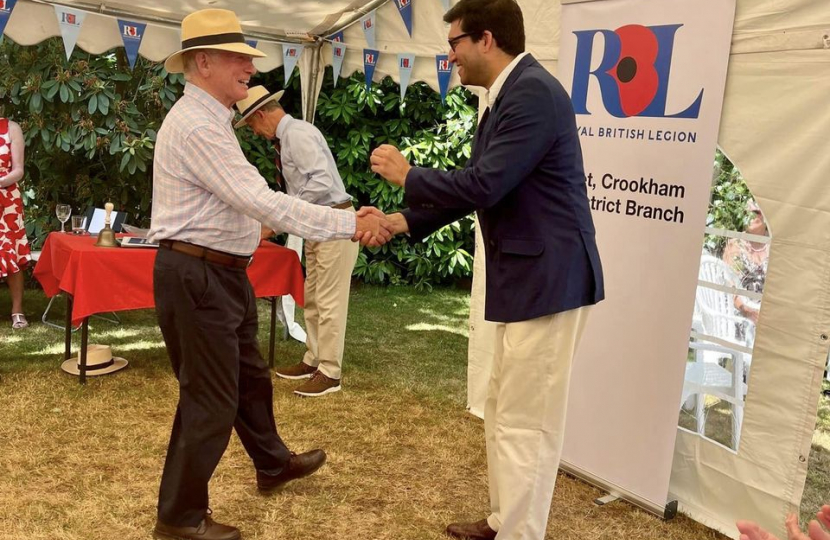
[368, 23]
[632, 72]
[132, 33]
[405, 64]
[444, 67]
[70, 21]
[6, 8]
[338, 52]
[405, 9]
[290, 57]
[370, 61]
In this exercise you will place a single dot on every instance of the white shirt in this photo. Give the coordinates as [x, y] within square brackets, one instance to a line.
[493, 92]
[205, 192]
[307, 164]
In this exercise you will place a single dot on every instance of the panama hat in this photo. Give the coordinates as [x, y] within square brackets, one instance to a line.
[257, 97]
[210, 29]
[99, 361]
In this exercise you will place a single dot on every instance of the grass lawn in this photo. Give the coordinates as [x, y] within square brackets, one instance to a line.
[83, 463]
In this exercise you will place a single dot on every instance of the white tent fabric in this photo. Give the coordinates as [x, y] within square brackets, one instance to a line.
[774, 127]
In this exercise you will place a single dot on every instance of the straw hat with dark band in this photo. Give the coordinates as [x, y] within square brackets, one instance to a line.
[99, 361]
[257, 97]
[210, 29]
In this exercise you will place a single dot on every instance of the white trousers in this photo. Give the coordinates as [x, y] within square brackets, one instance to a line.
[524, 419]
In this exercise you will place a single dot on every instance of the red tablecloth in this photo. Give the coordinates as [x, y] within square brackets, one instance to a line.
[117, 279]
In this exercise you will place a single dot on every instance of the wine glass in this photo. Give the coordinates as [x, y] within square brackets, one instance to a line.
[63, 211]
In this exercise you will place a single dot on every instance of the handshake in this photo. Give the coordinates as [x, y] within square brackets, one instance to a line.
[374, 228]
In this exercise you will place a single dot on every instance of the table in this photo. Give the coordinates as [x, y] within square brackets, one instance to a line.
[101, 280]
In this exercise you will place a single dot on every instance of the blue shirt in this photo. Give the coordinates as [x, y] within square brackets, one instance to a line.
[307, 164]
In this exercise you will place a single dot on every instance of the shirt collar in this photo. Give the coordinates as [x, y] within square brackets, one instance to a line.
[283, 125]
[493, 93]
[209, 102]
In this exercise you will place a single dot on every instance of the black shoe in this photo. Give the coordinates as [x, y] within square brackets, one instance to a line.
[206, 530]
[299, 465]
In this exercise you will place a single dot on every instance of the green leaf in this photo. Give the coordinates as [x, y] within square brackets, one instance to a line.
[103, 104]
[35, 104]
[92, 106]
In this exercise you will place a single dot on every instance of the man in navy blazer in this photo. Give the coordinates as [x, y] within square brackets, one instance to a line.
[526, 181]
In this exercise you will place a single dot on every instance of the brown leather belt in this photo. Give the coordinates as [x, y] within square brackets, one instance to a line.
[210, 255]
[343, 205]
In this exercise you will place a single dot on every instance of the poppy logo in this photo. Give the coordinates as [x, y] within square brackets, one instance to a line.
[633, 72]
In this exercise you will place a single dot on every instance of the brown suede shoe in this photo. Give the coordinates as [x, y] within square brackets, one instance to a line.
[299, 466]
[206, 530]
[318, 385]
[479, 530]
[300, 370]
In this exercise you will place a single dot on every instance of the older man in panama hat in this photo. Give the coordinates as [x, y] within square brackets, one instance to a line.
[208, 203]
[309, 172]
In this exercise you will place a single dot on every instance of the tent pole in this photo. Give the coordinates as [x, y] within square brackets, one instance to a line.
[313, 92]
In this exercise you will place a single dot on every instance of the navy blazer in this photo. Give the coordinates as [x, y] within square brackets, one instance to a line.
[527, 182]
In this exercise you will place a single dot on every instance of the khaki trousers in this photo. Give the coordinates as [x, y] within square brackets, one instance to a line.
[524, 419]
[329, 267]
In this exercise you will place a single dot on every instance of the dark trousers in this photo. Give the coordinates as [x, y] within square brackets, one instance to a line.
[207, 314]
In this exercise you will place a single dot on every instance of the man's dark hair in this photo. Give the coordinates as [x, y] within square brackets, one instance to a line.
[503, 18]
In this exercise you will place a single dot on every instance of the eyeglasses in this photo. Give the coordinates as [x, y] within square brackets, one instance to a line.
[454, 41]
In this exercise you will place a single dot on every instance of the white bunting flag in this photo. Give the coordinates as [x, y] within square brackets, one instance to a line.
[70, 21]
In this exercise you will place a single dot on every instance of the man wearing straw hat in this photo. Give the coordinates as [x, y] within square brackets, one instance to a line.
[309, 172]
[208, 203]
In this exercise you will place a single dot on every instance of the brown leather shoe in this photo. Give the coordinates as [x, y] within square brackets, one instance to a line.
[479, 530]
[299, 465]
[206, 530]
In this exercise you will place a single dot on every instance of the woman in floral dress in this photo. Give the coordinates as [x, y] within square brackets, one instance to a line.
[14, 248]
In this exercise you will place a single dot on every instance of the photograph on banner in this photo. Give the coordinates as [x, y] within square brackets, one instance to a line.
[732, 272]
[646, 79]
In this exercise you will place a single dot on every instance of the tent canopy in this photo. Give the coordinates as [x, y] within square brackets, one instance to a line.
[760, 26]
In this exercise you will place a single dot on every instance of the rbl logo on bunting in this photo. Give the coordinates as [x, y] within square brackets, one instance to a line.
[367, 24]
[292, 52]
[338, 51]
[130, 31]
[443, 65]
[370, 59]
[405, 63]
[403, 3]
[3, 5]
[68, 18]
[633, 73]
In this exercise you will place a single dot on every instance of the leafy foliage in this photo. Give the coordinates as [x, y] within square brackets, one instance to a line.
[728, 204]
[89, 124]
[431, 134]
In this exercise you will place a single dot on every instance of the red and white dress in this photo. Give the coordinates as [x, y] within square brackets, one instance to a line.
[14, 248]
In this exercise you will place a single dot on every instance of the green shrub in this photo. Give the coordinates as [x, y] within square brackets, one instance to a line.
[90, 126]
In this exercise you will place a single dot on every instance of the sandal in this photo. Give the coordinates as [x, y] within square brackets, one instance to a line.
[19, 321]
